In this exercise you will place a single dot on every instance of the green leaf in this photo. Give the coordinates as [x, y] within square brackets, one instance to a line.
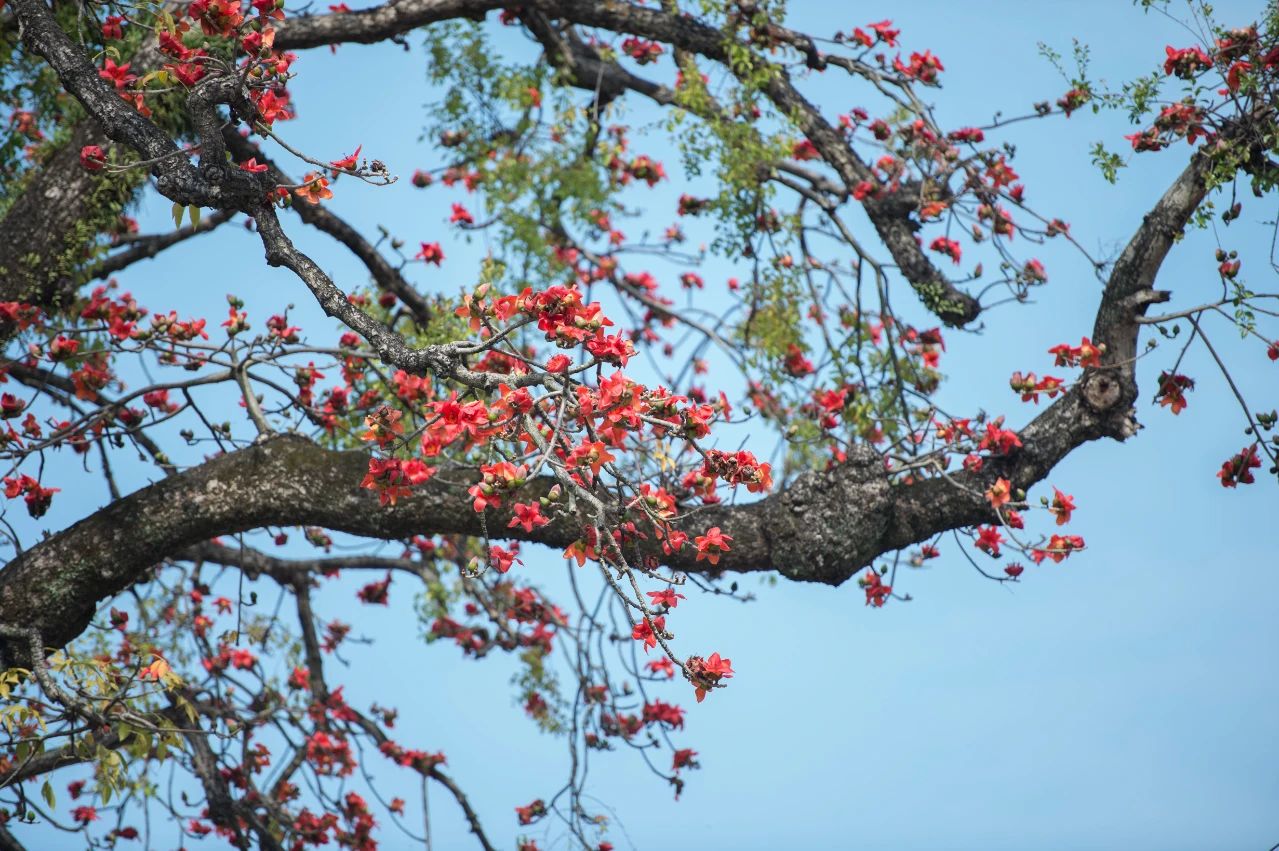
[177, 215]
[194, 213]
[46, 791]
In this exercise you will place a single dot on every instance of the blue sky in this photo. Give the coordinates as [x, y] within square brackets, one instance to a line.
[1123, 699]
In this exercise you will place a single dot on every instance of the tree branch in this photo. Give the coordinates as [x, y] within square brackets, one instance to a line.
[147, 247]
[320, 217]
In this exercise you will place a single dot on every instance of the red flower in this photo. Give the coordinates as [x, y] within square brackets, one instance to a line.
[949, 247]
[642, 631]
[527, 516]
[706, 673]
[502, 559]
[923, 67]
[92, 157]
[118, 74]
[1187, 62]
[876, 591]
[1072, 100]
[533, 811]
[37, 498]
[683, 758]
[712, 544]
[1062, 506]
[84, 815]
[666, 597]
[1233, 76]
[1146, 140]
[662, 665]
[376, 592]
[431, 253]
[988, 540]
[461, 215]
[1000, 493]
[661, 712]
[1059, 547]
[11, 406]
[272, 106]
[1172, 391]
[804, 150]
[795, 364]
[314, 188]
[1238, 470]
[641, 51]
[347, 163]
[999, 439]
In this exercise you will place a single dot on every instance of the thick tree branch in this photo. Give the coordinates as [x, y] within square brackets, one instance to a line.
[41, 237]
[824, 528]
[369, 26]
[177, 179]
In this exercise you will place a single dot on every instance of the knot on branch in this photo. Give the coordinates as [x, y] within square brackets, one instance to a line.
[829, 524]
[213, 172]
[1102, 391]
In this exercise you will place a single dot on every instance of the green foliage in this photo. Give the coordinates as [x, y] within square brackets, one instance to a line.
[1106, 161]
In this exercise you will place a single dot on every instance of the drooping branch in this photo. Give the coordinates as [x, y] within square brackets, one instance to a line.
[314, 656]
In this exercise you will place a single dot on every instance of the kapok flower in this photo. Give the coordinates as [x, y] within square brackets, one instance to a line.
[666, 597]
[92, 157]
[1000, 493]
[647, 633]
[315, 188]
[706, 673]
[347, 163]
[988, 540]
[431, 253]
[527, 516]
[1062, 505]
[712, 544]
